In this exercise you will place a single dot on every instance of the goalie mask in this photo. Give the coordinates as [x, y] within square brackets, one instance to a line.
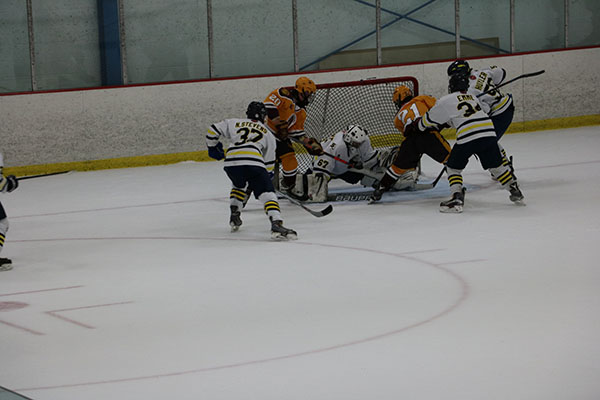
[307, 88]
[402, 94]
[256, 110]
[354, 135]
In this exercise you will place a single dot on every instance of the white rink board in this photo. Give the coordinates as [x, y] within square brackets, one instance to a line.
[170, 118]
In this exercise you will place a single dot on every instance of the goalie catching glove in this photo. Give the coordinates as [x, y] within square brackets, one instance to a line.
[312, 146]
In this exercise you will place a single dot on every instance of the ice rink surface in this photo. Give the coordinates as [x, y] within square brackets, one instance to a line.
[127, 284]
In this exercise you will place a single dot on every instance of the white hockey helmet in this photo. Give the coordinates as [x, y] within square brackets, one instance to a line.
[354, 135]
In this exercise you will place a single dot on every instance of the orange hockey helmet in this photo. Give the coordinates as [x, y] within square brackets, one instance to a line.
[402, 94]
[307, 88]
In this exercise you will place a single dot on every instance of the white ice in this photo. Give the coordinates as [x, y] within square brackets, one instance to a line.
[127, 284]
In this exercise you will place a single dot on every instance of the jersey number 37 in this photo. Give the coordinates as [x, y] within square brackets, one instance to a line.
[245, 136]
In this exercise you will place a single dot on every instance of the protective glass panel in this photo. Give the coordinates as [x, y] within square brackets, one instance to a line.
[6, 394]
[484, 28]
[67, 54]
[335, 34]
[252, 37]
[584, 23]
[539, 25]
[15, 72]
[165, 40]
[417, 30]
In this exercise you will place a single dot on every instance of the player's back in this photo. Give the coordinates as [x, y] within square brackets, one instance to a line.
[281, 103]
[464, 112]
[280, 100]
[251, 142]
[412, 110]
[485, 80]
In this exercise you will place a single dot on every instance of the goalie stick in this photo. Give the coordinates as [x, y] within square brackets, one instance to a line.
[529, 75]
[326, 211]
[22, 178]
[336, 158]
[361, 195]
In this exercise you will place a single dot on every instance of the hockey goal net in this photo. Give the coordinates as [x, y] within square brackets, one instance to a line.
[367, 103]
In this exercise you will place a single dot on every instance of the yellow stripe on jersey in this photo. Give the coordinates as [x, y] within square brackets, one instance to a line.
[234, 152]
[501, 104]
[469, 127]
[427, 123]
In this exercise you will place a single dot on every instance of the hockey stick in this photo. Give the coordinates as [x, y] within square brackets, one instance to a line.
[361, 195]
[529, 75]
[416, 186]
[22, 178]
[438, 177]
[336, 158]
[327, 210]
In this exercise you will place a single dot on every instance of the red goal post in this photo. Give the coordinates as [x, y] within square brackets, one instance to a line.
[367, 103]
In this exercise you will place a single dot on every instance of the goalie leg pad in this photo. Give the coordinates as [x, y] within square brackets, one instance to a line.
[317, 187]
[369, 181]
[298, 189]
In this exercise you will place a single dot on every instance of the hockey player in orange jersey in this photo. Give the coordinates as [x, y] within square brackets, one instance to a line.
[415, 144]
[286, 113]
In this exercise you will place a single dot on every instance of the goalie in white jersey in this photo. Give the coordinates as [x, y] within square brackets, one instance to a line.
[7, 184]
[348, 149]
[475, 134]
[249, 164]
[501, 107]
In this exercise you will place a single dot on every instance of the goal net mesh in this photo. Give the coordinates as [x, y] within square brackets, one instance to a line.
[367, 103]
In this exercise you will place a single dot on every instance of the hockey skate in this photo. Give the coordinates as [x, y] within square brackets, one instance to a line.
[234, 220]
[280, 232]
[5, 264]
[455, 204]
[516, 196]
[376, 195]
[383, 186]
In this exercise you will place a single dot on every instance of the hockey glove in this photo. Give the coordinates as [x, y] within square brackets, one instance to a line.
[9, 183]
[313, 147]
[356, 164]
[216, 152]
[282, 130]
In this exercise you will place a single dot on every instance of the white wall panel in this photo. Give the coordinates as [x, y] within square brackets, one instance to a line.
[88, 125]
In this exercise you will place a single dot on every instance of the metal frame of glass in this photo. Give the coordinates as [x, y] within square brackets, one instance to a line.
[113, 48]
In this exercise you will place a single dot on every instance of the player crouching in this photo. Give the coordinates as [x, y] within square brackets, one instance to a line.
[348, 156]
